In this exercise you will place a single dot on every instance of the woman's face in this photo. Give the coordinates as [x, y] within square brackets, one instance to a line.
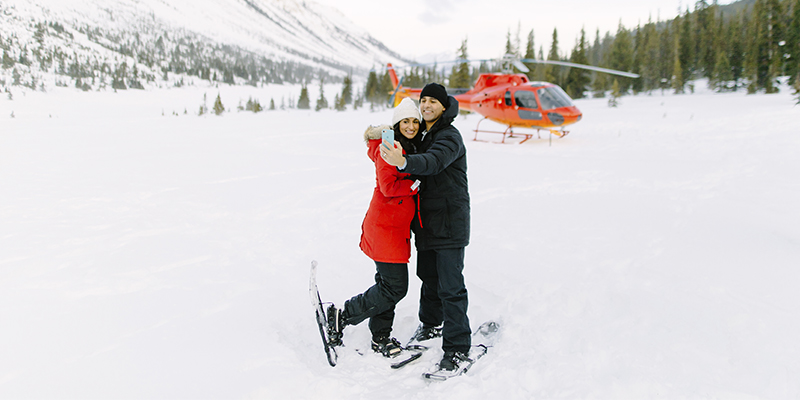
[409, 127]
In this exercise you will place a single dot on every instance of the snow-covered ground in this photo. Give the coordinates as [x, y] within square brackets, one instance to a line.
[651, 253]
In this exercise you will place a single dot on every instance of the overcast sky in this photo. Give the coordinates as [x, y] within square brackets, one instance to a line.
[415, 28]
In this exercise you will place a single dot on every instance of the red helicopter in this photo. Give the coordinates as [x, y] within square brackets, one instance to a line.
[512, 100]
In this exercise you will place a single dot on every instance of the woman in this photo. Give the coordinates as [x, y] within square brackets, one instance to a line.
[385, 237]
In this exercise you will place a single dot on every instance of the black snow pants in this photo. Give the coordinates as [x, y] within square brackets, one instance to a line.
[443, 296]
[378, 302]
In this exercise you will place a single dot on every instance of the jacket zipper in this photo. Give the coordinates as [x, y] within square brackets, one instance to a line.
[419, 214]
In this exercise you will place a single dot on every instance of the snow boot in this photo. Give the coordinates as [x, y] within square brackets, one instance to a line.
[425, 332]
[453, 360]
[387, 346]
[335, 325]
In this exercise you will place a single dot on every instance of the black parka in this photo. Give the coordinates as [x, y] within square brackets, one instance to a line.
[441, 165]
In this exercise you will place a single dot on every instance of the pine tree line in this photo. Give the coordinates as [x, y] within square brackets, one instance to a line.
[738, 46]
[340, 101]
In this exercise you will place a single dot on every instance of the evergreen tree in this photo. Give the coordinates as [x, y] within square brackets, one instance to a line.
[722, 71]
[763, 56]
[371, 90]
[613, 101]
[599, 85]
[119, 77]
[686, 48]
[677, 76]
[358, 102]
[253, 105]
[384, 88]
[792, 44]
[656, 54]
[347, 89]
[775, 35]
[413, 78]
[552, 72]
[705, 29]
[460, 76]
[621, 56]
[39, 34]
[509, 46]
[218, 107]
[530, 50]
[639, 42]
[595, 54]
[735, 36]
[722, 66]
[540, 71]
[751, 62]
[338, 103]
[322, 102]
[304, 103]
[23, 57]
[756, 64]
[272, 104]
[578, 79]
[8, 61]
[796, 89]
[204, 106]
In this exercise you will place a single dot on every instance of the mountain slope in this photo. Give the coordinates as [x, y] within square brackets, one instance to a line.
[254, 40]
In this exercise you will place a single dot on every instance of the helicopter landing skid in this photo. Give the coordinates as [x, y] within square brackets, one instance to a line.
[509, 132]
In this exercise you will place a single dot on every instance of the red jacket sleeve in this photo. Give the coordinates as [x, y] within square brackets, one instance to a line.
[390, 182]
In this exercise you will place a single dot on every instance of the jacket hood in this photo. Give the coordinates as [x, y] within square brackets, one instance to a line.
[373, 139]
[374, 132]
[451, 112]
[448, 116]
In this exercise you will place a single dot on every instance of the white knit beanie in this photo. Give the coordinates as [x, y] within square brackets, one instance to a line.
[406, 109]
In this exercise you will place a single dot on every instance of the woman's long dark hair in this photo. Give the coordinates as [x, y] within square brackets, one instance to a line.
[409, 145]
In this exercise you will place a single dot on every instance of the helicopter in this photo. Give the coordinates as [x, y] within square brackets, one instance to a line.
[511, 99]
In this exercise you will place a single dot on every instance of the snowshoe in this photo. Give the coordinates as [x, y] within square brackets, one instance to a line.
[388, 347]
[335, 325]
[321, 318]
[425, 332]
[455, 363]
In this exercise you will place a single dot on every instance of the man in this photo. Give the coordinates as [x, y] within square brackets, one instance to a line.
[443, 231]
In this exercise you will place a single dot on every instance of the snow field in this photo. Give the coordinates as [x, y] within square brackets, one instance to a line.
[650, 253]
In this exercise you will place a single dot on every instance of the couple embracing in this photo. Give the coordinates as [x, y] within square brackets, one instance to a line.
[421, 186]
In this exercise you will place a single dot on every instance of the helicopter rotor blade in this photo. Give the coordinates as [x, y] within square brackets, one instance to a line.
[582, 66]
[520, 66]
[440, 63]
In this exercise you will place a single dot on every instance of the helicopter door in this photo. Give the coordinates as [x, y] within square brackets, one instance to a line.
[509, 110]
[527, 105]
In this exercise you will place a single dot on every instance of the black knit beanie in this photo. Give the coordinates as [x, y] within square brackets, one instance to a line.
[436, 91]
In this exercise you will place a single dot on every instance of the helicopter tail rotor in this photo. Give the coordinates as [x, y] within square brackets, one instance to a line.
[397, 88]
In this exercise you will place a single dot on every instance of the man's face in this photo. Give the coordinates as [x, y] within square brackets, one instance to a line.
[430, 108]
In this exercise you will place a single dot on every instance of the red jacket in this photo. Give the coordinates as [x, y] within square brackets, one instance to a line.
[386, 230]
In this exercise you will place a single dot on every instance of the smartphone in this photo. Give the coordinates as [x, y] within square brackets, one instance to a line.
[388, 136]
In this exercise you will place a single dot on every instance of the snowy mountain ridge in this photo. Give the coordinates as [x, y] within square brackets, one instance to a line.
[255, 40]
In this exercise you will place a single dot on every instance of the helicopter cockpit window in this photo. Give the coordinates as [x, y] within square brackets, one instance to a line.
[508, 98]
[553, 97]
[525, 99]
